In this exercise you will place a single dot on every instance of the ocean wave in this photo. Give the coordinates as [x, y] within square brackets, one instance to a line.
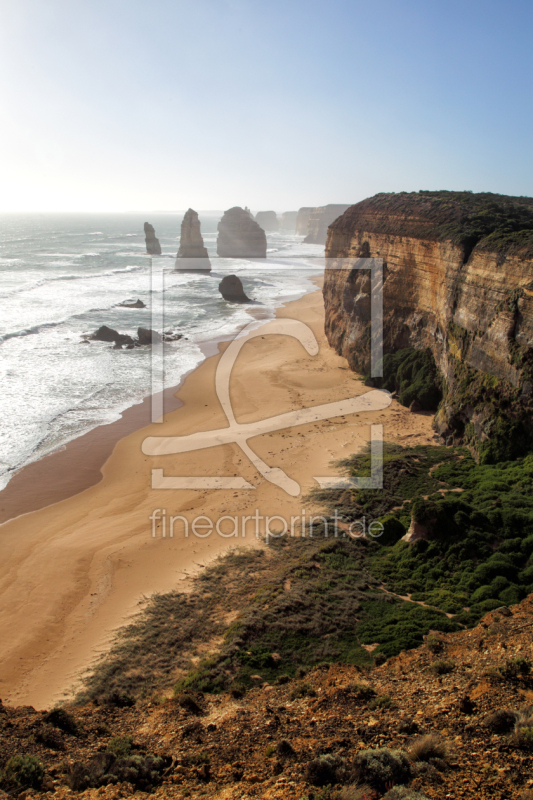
[78, 277]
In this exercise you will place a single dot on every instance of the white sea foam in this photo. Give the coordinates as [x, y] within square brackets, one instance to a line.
[57, 283]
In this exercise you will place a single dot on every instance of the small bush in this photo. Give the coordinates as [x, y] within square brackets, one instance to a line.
[61, 719]
[51, 737]
[523, 729]
[324, 770]
[427, 747]
[303, 689]
[354, 793]
[105, 768]
[363, 691]
[285, 749]
[24, 772]
[120, 746]
[516, 668]
[443, 667]
[500, 721]
[283, 679]
[382, 768]
[434, 644]
[383, 701]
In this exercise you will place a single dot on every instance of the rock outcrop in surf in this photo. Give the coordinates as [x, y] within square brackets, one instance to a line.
[232, 290]
[268, 220]
[192, 255]
[153, 247]
[239, 236]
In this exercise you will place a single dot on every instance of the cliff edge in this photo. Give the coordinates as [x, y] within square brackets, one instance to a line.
[458, 281]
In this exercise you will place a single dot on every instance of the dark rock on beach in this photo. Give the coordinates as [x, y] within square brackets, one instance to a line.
[192, 255]
[153, 247]
[239, 236]
[231, 289]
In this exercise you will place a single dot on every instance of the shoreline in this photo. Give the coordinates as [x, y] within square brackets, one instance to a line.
[77, 465]
[73, 572]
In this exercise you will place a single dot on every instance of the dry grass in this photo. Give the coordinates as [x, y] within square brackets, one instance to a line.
[429, 746]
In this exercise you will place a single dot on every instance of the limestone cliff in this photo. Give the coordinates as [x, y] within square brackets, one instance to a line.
[458, 279]
[192, 255]
[302, 220]
[239, 235]
[152, 244]
[319, 220]
[268, 220]
[288, 221]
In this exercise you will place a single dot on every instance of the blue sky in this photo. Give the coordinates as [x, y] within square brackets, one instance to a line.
[123, 105]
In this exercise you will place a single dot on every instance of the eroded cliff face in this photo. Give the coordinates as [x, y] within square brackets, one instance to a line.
[192, 255]
[470, 303]
[319, 220]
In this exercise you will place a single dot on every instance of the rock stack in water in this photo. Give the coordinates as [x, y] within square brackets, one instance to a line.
[152, 244]
[319, 221]
[231, 289]
[267, 220]
[192, 254]
[302, 220]
[239, 236]
[288, 221]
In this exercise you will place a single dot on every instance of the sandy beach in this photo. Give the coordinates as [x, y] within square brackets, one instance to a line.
[74, 571]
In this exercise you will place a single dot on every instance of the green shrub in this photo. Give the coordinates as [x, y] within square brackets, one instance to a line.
[24, 772]
[382, 768]
[324, 770]
[120, 746]
[302, 689]
[383, 701]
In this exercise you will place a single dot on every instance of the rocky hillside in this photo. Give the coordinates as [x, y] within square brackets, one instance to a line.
[458, 270]
[449, 719]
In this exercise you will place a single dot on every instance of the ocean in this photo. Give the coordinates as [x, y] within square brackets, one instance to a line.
[62, 276]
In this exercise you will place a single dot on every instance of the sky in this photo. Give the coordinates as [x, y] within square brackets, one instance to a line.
[126, 105]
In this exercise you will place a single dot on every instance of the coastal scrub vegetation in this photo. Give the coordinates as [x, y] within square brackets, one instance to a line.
[473, 551]
[270, 614]
[492, 221]
[413, 375]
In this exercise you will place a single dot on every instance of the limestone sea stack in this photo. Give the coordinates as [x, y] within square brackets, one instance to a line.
[288, 221]
[319, 221]
[239, 236]
[302, 220]
[267, 220]
[153, 247]
[192, 255]
[231, 289]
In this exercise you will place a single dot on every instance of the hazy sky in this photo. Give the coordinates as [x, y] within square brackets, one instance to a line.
[123, 105]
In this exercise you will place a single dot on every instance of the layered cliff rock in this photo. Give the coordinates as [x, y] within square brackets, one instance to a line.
[458, 279]
[153, 247]
[302, 220]
[239, 235]
[268, 220]
[192, 255]
[288, 221]
[320, 219]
